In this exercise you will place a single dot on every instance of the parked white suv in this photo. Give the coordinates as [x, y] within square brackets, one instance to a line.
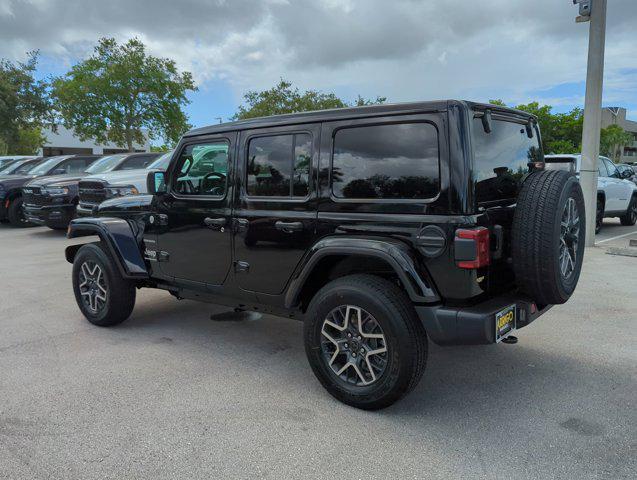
[616, 196]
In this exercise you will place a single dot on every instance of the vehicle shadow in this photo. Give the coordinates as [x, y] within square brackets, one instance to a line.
[45, 232]
[461, 385]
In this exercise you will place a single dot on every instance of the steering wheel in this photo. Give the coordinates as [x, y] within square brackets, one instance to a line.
[214, 190]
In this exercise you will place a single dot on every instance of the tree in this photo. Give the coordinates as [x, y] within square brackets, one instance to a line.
[612, 141]
[561, 132]
[283, 98]
[121, 90]
[24, 106]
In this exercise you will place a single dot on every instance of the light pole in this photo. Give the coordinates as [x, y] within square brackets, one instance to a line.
[596, 10]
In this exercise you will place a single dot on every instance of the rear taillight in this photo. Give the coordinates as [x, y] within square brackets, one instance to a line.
[472, 247]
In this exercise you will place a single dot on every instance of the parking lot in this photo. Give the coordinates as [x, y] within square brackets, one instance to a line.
[173, 394]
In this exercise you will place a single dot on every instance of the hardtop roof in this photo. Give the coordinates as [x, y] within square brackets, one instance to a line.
[350, 112]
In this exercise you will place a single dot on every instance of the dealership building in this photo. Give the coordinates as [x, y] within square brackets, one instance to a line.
[62, 141]
[617, 116]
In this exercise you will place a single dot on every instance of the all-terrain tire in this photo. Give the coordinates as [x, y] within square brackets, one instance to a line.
[118, 293]
[405, 339]
[538, 239]
[16, 215]
[630, 217]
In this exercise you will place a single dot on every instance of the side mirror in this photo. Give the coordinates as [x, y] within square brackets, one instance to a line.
[156, 183]
[625, 174]
[58, 171]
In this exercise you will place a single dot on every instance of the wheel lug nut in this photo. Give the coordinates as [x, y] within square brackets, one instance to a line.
[353, 354]
[362, 351]
[359, 337]
[349, 335]
[346, 345]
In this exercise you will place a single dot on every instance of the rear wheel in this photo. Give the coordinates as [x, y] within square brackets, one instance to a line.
[630, 217]
[547, 244]
[16, 215]
[103, 295]
[364, 341]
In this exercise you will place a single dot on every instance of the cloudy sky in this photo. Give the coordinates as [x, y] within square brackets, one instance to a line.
[516, 50]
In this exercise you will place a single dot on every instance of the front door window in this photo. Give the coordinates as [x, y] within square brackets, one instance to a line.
[203, 169]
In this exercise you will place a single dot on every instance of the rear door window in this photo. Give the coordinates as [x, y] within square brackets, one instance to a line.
[391, 161]
[279, 165]
[502, 158]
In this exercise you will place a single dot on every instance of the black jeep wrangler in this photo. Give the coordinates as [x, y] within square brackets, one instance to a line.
[380, 227]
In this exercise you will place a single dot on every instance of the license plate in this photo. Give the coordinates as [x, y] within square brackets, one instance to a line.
[504, 322]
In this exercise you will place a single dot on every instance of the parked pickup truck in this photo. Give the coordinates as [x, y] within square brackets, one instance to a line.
[616, 193]
[11, 185]
[53, 201]
[94, 189]
[381, 227]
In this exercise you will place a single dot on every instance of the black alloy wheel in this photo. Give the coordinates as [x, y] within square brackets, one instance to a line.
[93, 287]
[354, 345]
[569, 238]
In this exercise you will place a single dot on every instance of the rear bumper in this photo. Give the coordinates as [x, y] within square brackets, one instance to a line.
[50, 215]
[475, 325]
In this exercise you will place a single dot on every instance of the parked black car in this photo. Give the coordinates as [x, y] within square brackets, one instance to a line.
[379, 226]
[53, 201]
[11, 185]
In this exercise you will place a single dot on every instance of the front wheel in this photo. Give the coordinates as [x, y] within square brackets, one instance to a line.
[364, 341]
[103, 295]
[630, 217]
[16, 214]
[599, 216]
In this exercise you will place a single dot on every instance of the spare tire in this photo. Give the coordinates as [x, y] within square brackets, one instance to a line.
[549, 229]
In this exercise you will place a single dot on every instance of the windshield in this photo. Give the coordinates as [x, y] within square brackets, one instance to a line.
[20, 167]
[162, 162]
[47, 165]
[105, 164]
[5, 162]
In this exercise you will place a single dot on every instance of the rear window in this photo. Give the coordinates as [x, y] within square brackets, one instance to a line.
[399, 161]
[502, 158]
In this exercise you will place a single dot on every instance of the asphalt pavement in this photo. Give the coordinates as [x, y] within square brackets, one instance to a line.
[173, 394]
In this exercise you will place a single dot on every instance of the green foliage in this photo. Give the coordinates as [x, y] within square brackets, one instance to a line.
[283, 98]
[161, 148]
[561, 132]
[121, 90]
[29, 141]
[24, 106]
[612, 140]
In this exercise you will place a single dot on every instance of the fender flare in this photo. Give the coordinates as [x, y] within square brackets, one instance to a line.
[417, 284]
[120, 239]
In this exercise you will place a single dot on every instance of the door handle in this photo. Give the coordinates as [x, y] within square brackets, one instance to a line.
[214, 222]
[289, 227]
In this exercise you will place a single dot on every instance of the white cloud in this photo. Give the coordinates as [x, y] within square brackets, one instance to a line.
[403, 49]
